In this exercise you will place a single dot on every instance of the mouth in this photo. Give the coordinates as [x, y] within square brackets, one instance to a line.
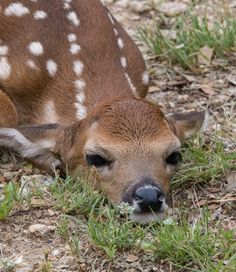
[146, 218]
[137, 216]
[150, 216]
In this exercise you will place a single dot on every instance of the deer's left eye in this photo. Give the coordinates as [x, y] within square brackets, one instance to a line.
[174, 158]
[97, 161]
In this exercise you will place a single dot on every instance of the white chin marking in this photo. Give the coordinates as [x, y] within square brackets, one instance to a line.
[146, 218]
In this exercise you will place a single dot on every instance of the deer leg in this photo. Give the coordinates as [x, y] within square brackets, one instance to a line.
[8, 113]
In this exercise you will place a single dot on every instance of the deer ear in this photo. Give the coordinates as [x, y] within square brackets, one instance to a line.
[36, 144]
[186, 125]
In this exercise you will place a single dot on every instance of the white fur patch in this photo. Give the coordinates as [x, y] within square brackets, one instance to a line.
[36, 48]
[131, 84]
[115, 31]
[81, 111]
[27, 149]
[3, 50]
[111, 18]
[120, 43]
[80, 97]
[46, 143]
[66, 6]
[74, 48]
[51, 67]
[16, 9]
[31, 64]
[73, 18]
[79, 84]
[123, 62]
[145, 78]
[71, 37]
[78, 67]
[40, 14]
[5, 68]
[50, 115]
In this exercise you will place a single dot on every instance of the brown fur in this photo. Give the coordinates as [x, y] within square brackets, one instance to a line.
[132, 134]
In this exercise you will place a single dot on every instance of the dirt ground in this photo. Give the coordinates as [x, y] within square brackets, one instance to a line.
[174, 90]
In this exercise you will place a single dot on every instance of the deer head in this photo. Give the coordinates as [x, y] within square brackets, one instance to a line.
[129, 145]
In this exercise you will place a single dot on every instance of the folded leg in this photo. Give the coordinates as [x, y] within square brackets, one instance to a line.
[8, 113]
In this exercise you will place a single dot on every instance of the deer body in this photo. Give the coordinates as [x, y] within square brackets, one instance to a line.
[72, 87]
[56, 54]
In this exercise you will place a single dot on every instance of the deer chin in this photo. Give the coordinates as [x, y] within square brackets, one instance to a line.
[149, 217]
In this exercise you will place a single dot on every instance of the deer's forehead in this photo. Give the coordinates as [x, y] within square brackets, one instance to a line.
[130, 120]
[103, 139]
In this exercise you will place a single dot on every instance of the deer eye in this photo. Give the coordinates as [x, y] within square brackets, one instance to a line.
[97, 161]
[174, 158]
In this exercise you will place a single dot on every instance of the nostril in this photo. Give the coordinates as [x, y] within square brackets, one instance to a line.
[149, 198]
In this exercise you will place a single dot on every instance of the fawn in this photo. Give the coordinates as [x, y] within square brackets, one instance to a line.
[72, 94]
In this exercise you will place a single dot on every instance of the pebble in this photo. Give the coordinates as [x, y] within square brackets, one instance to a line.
[40, 229]
[172, 8]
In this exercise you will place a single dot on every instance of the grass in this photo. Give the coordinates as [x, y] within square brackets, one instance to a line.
[184, 245]
[194, 247]
[13, 195]
[72, 197]
[204, 163]
[202, 246]
[187, 246]
[191, 35]
[112, 235]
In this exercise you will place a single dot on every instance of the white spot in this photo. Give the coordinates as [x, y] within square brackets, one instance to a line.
[51, 67]
[50, 114]
[131, 84]
[79, 84]
[36, 48]
[71, 37]
[72, 16]
[120, 43]
[145, 78]
[3, 50]
[74, 48]
[115, 31]
[5, 68]
[123, 62]
[78, 67]
[16, 9]
[80, 111]
[31, 64]
[40, 14]
[67, 6]
[80, 97]
[111, 19]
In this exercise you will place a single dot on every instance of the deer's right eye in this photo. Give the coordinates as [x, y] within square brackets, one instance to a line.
[97, 161]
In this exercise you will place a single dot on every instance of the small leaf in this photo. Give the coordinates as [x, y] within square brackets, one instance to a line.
[205, 56]
[231, 182]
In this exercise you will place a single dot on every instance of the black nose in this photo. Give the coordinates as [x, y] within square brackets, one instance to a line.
[149, 198]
